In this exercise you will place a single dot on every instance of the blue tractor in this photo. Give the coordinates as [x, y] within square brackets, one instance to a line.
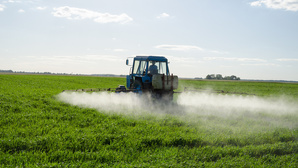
[151, 74]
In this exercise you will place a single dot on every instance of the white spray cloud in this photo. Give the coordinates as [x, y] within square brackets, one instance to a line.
[192, 106]
[205, 102]
[103, 101]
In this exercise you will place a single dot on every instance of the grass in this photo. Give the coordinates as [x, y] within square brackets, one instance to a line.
[254, 88]
[37, 130]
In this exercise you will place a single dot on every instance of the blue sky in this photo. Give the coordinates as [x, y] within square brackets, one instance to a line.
[252, 39]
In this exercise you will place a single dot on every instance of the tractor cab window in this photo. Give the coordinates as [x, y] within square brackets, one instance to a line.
[139, 67]
[156, 67]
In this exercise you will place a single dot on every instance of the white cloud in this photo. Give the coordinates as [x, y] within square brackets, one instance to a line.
[188, 48]
[163, 15]
[234, 59]
[116, 49]
[219, 52]
[290, 5]
[287, 59]
[80, 13]
[179, 47]
[119, 50]
[77, 59]
[9, 1]
[12, 1]
[21, 11]
[262, 64]
[41, 8]
[2, 7]
[93, 58]
[183, 60]
[256, 3]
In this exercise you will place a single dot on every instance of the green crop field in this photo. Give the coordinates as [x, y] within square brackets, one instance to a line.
[256, 126]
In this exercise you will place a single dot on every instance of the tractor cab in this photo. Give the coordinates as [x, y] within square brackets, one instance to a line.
[143, 68]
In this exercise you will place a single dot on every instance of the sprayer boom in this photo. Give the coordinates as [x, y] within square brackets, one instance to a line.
[186, 89]
[119, 89]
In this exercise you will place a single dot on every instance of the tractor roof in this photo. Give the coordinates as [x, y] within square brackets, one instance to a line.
[151, 58]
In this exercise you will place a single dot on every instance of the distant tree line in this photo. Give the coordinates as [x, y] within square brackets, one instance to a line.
[220, 77]
[48, 73]
[8, 71]
[51, 73]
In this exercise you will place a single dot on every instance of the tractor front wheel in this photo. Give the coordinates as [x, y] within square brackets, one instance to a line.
[165, 96]
[137, 85]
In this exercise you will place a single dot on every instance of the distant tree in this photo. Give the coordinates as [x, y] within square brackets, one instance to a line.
[211, 76]
[219, 77]
[233, 77]
[208, 77]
